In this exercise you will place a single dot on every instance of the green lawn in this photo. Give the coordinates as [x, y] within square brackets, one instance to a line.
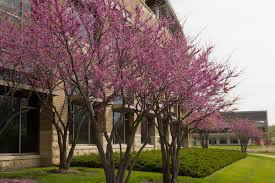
[253, 169]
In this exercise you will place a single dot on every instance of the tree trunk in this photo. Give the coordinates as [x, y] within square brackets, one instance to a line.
[166, 174]
[165, 151]
[63, 165]
[127, 156]
[244, 144]
[203, 138]
[109, 175]
[204, 143]
[175, 164]
[244, 147]
[106, 158]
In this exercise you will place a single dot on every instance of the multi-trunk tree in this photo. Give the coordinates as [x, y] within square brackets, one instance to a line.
[210, 124]
[192, 84]
[245, 130]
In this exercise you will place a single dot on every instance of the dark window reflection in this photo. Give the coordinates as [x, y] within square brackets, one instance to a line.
[19, 125]
[30, 131]
[146, 130]
[121, 125]
[85, 135]
[9, 125]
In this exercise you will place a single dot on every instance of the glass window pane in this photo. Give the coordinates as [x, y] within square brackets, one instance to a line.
[223, 141]
[29, 124]
[233, 140]
[84, 133]
[15, 7]
[146, 131]
[30, 131]
[12, 4]
[9, 125]
[119, 122]
[212, 141]
[92, 137]
[127, 130]
[79, 114]
[118, 100]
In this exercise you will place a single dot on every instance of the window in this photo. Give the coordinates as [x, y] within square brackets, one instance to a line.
[212, 141]
[146, 131]
[225, 130]
[85, 136]
[19, 125]
[10, 4]
[154, 6]
[118, 100]
[234, 141]
[121, 122]
[15, 8]
[10, 75]
[223, 141]
[150, 3]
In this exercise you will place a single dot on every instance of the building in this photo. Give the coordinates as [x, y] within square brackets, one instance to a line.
[225, 137]
[30, 138]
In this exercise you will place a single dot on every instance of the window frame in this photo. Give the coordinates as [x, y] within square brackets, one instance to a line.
[212, 141]
[18, 11]
[148, 130]
[126, 120]
[20, 153]
[73, 126]
[221, 139]
[233, 140]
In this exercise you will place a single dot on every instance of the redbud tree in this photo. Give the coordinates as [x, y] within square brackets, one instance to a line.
[211, 124]
[245, 130]
[193, 83]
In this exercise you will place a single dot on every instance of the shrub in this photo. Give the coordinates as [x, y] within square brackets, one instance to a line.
[194, 162]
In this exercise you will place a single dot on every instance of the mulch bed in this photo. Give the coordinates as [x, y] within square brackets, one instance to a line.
[17, 181]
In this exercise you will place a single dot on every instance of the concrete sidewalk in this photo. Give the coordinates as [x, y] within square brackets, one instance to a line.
[264, 155]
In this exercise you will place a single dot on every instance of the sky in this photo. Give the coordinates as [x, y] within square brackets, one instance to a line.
[243, 30]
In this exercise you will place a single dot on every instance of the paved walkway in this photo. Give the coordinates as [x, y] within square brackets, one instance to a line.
[16, 181]
[264, 155]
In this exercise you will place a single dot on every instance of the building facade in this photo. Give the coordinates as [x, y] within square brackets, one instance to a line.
[30, 139]
[226, 137]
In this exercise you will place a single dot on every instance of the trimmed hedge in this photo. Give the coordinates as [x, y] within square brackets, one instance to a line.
[194, 162]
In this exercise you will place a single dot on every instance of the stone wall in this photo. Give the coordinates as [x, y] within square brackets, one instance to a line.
[84, 150]
[15, 162]
[46, 135]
